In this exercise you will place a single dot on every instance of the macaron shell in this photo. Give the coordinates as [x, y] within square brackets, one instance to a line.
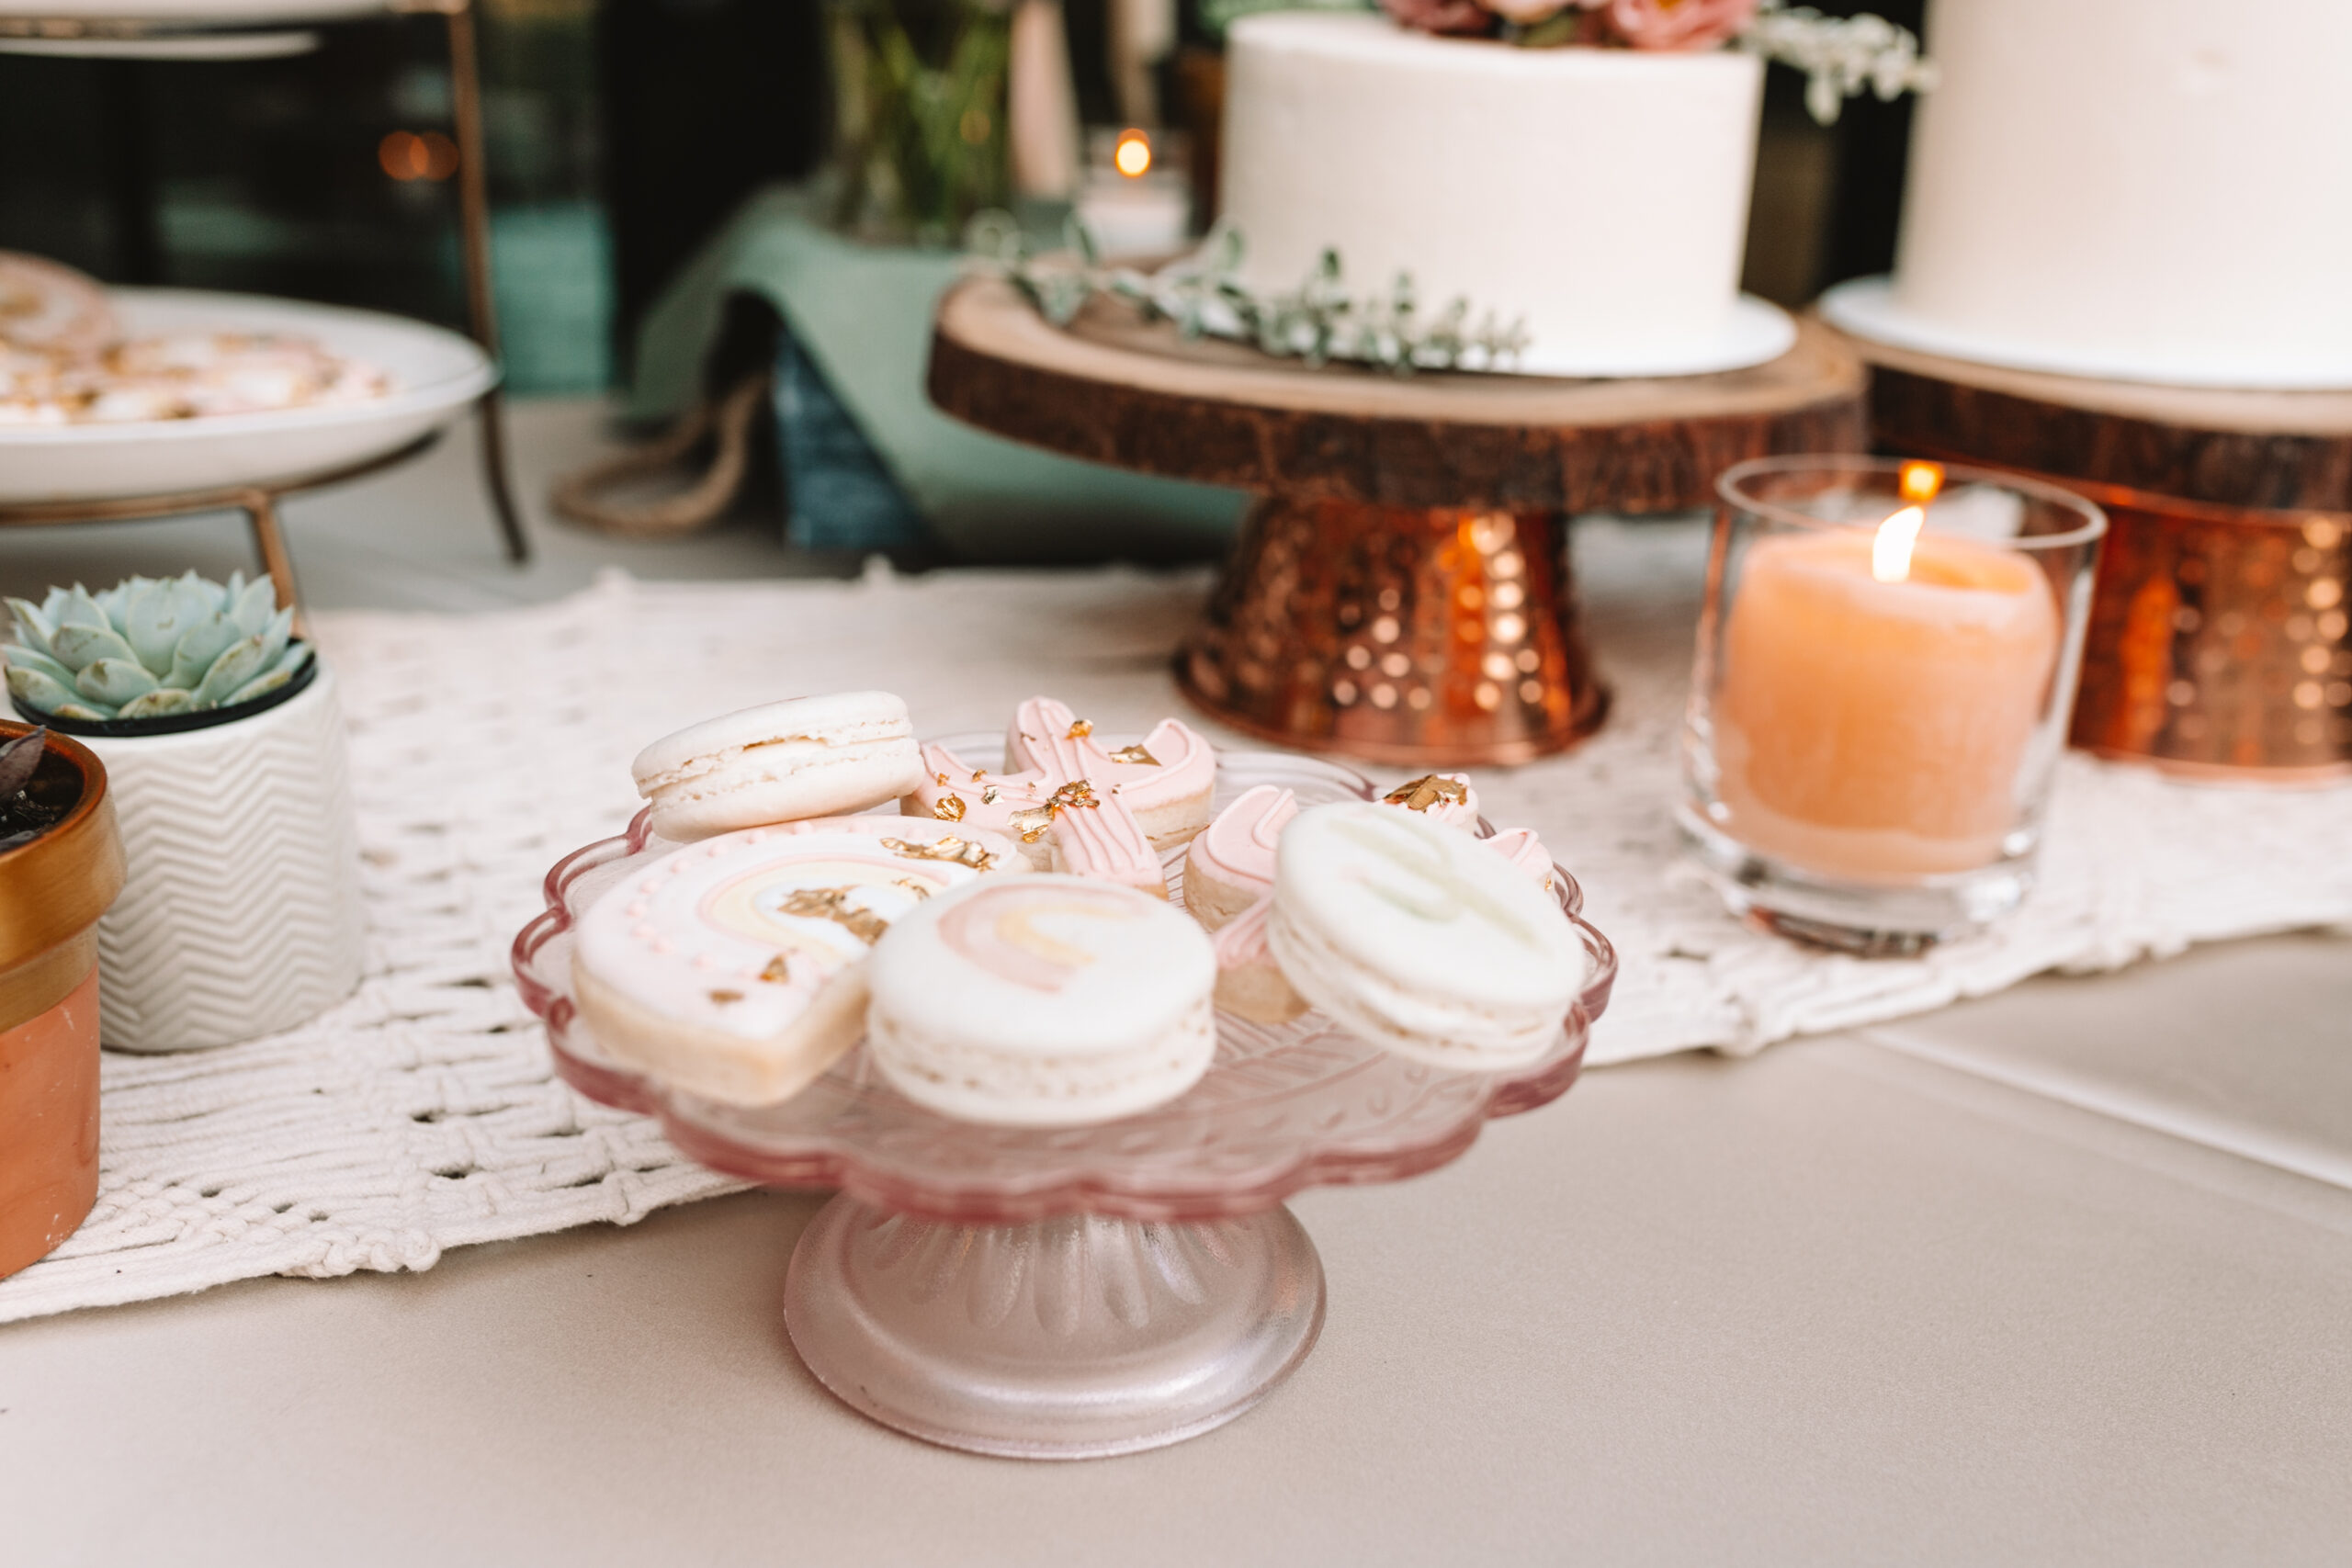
[785, 782]
[836, 718]
[1430, 906]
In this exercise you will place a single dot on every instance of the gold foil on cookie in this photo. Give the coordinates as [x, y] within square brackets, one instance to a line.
[1078, 729]
[950, 808]
[777, 972]
[723, 998]
[1431, 789]
[1135, 753]
[832, 904]
[946, 847]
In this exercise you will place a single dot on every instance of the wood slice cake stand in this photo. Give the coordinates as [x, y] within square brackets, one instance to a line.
[2219, 636]
[1402, 592]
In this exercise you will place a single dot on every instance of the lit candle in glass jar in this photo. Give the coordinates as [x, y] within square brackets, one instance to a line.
[1879, 692]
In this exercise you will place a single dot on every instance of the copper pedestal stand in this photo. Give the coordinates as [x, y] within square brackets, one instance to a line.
[2220, 638]
[1403, 592]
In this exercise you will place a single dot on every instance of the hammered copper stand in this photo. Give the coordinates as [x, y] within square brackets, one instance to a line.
[1404, 590]
[2219, 644]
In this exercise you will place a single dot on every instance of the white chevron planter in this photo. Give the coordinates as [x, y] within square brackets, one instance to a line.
[241, 916]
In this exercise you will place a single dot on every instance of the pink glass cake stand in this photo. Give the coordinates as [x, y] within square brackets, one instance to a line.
[1074, 1292]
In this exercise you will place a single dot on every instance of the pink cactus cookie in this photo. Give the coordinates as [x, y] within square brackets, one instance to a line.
[1526, 853]
[1249, 982]
[1061, 824]
[1166, 779]
[1230, 863]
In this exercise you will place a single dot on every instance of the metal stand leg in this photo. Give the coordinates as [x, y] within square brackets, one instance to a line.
[481, 307]
[261, 513]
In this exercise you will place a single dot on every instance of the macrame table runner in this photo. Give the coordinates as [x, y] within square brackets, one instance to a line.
[422, 1115]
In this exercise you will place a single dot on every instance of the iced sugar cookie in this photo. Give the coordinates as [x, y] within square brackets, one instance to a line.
[1420, 938]
[1043, 1002]
[779, 763]
[735, 967]
[1249, 981]
[1061, 824]
[1440, 798]
[1525, 852]
[1165, 779]
[1230, 863]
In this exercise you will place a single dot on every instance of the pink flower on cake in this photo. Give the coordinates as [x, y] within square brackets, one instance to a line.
[1679, 24]
[1441, 15]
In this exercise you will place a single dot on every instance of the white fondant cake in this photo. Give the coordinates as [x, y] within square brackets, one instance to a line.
[2152, 189]
[1600, 194]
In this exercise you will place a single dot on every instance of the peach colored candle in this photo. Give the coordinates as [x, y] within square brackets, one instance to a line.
[1872, 729]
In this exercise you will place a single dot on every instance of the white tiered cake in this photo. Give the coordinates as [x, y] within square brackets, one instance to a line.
[2155, 190]
[1599, 195]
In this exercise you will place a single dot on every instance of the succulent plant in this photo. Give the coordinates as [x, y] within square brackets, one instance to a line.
[151, 647]
[23, 818]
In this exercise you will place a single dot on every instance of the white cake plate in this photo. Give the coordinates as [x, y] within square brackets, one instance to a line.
[1868, 308]
[437, 376]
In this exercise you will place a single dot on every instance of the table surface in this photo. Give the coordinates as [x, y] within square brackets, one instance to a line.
[2059, 1276]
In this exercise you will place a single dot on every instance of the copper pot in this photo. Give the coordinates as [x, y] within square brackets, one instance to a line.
[52, 891]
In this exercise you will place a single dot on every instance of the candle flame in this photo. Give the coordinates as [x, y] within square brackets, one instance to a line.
[1891, 550]
[1133, 155]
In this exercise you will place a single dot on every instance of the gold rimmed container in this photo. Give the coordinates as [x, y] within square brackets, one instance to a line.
[52, 891]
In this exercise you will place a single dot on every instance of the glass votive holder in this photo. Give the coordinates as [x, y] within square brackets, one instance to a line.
[1886, 663]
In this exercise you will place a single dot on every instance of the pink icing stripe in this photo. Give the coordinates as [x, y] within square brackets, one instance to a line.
[1239, 845]
[1241, 941]
[993, 930]
[1105, 841]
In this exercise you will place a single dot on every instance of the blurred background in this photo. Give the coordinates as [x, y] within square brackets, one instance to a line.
[621, 134]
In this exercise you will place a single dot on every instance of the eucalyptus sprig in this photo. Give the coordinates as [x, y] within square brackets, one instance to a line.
[1318, 322]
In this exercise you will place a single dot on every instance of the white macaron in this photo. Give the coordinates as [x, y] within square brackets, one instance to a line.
[1042, 1001]
[1420, 938]
[779, 763]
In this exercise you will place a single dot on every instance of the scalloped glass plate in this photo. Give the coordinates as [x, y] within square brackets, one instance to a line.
[1280, 1109]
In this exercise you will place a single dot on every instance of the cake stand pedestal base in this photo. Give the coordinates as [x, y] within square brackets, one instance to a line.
[1076, 1337]
[1398, 633]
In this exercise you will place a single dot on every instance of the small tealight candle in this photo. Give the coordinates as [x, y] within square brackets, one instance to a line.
[1878, 703]
[1132, 203]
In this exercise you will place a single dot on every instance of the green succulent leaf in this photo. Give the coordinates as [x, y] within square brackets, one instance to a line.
[43, 693]
[246, 658]
[277, 634]
[30, 659]
[260, 686]
[159, 703]
[253, 607]
[114, 681]
[33, 628]
[153, 625]
[200, 645]
[78, 609]
[76, 646]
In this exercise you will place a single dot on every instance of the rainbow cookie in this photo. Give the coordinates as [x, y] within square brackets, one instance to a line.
[1166, 779]
[784, 762]
[1042, 1001]
[1438, 797]
[735, 967]
[1420, 939]
[1230, 863]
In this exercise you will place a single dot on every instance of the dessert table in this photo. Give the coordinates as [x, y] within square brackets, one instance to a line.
[2055, 1275]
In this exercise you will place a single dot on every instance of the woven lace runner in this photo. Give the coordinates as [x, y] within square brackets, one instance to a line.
[421, 1114]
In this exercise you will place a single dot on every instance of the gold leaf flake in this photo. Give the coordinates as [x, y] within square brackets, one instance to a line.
[946, 847]
[919, 888]
[950, 808]
[777, 972]
[1135, 753]
[1078, 729]
[1030, 822]
[723, 998]
[989, 796]
[832, 904]
[1431, 789]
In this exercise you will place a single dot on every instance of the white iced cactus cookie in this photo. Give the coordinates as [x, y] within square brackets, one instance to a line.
[1043, 1002]
[1230, 863]
[779, 763]
[1421, 939]
[735, 967]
